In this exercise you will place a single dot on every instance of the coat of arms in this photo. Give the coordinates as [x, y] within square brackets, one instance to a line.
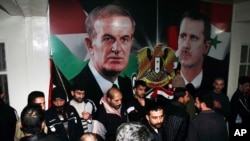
[156, 66]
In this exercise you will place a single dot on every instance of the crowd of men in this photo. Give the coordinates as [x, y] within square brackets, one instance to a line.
[105, 106]
[80, 118]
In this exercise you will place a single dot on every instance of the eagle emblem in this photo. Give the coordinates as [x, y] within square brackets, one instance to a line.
[156, 65]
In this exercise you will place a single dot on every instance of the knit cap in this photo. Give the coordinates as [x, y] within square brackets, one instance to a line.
[58, 93]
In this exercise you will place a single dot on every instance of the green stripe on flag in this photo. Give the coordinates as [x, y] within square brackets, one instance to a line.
[64, 59]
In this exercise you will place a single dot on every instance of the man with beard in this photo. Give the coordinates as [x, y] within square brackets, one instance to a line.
[136, 107]
[177, 118]
[154, 120]
[62, 119]
[208, 125]
[84, 107]
[110, 115]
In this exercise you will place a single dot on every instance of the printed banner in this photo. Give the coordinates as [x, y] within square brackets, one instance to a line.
[154, 53]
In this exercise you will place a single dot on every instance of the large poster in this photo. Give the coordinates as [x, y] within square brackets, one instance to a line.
[154, 55]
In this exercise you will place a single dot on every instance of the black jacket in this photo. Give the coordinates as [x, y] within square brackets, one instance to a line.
[56, 127]
[136, 112]
[40, 137]
[176, 121]
[160, 136]
[208, 126]
[240, 106]
[111, 121]
[8, 119]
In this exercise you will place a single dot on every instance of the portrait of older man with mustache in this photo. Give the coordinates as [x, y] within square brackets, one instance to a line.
[111, 33]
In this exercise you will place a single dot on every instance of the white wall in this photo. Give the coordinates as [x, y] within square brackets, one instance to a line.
[27, 56]
[240, 35]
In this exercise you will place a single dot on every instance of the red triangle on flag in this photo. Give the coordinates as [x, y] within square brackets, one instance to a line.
[66, 17]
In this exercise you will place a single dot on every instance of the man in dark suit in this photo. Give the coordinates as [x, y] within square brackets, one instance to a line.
[8, 119]
[111, 29]
[33, 124]
[207, 124]
[240, 110]
[194, 43]
[154, 120]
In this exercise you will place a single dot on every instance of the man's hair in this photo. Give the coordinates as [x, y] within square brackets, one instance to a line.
[206, 97]
[32, 117]
[219, 78]
[110, 93]
[197, 15]
[244, 79]
[133, 131]
[96, 137]
[33, 95]
[154, 106]
[140, 83]
[179, 92]
[78, 86]
[103, 12]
